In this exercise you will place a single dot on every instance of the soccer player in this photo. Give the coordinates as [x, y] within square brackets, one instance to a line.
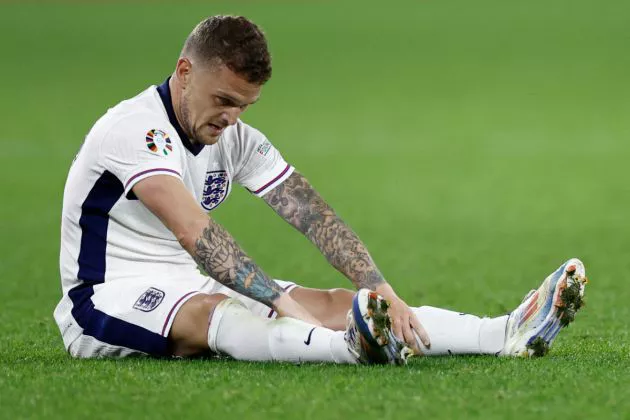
[145, 270]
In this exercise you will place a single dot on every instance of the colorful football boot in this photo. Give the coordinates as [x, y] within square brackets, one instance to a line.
[368, 331]
[533, 326]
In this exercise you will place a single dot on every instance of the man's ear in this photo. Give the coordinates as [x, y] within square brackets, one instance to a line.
[183, 71]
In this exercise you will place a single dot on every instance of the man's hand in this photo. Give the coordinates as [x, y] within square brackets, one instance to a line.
[285, 305]
[404, 320]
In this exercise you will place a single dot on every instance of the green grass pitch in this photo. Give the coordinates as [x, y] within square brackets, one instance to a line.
[474, 146]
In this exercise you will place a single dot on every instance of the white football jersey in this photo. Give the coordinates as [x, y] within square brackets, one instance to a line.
[106, 232]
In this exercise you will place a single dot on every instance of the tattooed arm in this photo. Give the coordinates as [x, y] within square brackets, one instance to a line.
[212, 247]
[299, 204]
[217, 252]
[220, 256]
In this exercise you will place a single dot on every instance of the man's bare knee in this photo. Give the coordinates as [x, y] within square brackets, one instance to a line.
[342, 296]
[328, 306]
[189, 332]
[337, 298]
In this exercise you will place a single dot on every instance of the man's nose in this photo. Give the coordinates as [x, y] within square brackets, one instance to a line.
[231, 115]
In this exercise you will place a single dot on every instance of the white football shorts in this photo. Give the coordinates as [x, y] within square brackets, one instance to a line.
[122, 318]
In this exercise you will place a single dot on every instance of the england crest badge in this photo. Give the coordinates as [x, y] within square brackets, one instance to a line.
[149, 300]
[215, 189]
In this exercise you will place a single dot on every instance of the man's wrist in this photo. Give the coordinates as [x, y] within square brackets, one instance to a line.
[385, 289]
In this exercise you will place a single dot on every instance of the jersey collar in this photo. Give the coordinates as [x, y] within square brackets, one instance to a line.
[165, 95]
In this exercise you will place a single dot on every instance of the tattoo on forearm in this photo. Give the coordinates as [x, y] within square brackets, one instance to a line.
[224, 260]
[298, 203]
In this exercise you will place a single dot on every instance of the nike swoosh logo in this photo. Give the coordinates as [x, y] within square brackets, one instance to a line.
[308, 339]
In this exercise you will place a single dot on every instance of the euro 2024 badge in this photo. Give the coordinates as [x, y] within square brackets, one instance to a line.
[215, 189]
[159, 142]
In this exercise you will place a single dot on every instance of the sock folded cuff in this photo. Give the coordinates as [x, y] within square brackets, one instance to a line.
[492, 334]
[215, 321]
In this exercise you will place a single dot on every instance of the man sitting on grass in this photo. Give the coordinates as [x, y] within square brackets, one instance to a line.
[135, 231]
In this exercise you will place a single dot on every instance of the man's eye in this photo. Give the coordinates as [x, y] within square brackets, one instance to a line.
[223, 101]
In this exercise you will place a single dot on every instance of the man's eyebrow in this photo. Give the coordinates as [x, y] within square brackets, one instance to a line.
[234, 100]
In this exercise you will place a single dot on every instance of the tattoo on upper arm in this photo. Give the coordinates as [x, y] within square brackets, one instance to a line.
[224, 260]
[298, 203]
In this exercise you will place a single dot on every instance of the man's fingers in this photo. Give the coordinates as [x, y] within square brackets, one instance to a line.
[422, 333]
[424, 337]
[397, 328]
[288, 307]
[409, 337]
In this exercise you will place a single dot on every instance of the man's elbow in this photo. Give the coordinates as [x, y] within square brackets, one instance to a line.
[191, 233]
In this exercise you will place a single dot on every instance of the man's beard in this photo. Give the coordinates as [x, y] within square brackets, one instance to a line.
[185, 122]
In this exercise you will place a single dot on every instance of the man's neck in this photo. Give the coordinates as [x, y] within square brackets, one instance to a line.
[171, 104]
[173, 87]
[176, 94]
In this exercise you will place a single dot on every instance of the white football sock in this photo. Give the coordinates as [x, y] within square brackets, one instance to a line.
[458, 333]
[235, 331]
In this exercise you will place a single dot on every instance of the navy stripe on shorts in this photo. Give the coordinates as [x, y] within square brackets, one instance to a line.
[94, 222]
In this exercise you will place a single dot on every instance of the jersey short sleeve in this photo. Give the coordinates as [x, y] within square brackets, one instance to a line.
[141, 146]
[262, 166]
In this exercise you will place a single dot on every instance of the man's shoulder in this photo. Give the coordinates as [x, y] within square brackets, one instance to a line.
[138, 111]
[133, 125]
[242, 137]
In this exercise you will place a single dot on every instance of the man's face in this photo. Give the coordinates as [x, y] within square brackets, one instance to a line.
[213, 97]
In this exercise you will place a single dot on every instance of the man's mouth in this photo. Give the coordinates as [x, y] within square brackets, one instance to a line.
[215, 129]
